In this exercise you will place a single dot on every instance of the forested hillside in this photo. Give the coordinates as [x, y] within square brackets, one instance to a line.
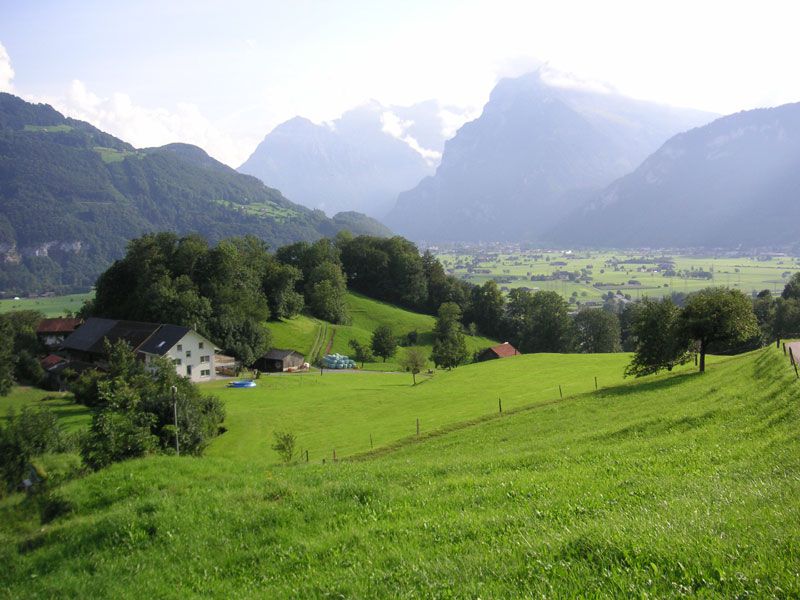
[72, 196]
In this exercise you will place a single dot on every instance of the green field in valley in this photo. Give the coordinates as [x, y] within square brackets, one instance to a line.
[678, 485]
[53, 306]
[598, 272]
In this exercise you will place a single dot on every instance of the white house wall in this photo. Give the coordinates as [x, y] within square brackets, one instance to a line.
[194, 351]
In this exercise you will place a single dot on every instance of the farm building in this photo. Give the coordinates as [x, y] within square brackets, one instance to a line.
[277, 360]
[503, 350]
[191, 353]
[52, 332]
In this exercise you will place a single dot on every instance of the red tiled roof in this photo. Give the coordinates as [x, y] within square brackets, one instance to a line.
[58, 325]
[505, 349]
[50, 361]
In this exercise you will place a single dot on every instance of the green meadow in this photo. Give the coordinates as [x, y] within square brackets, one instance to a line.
[51, 307]
[677, 485]
[515, 269]
[313, 337]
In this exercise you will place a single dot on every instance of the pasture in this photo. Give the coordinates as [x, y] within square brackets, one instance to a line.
[54, 306]
[598, 272]
[681, 485]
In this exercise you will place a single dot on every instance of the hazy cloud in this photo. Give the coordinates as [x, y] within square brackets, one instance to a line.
[146, 126]
[6, 71]
[398, 128]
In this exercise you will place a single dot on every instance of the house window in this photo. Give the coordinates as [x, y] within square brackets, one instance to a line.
[177, 361]
[188, 370]
[205, 373]
[205, 359]
[188, 354]
[180, 347]
[200, 345]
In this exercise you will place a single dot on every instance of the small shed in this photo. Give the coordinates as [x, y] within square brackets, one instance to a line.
[277, 360]
[53, 332]
[503, 350]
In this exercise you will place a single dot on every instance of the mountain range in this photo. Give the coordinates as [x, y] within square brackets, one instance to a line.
[360, 161]
[735, 181]
[71, 196]
[539, 149]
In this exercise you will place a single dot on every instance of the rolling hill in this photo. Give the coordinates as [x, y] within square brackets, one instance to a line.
[683, 484]
[734, 182]
[72, 196]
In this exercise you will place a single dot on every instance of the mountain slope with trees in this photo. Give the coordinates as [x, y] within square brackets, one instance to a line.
[733, 182]
[71, 196]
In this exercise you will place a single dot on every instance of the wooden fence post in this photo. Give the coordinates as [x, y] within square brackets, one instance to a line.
[370, 441]
[784, 348]
[417, 425]
[595, 384]
[560, 393]
[500, 405]
[794, 363]
[334, 455]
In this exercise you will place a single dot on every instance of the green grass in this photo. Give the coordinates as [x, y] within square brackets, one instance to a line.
[339, 411]
[112, 155]
[682, 485]
[305, 333]
[49, 128]
[72, 416]
[51, 307]
[511, 270]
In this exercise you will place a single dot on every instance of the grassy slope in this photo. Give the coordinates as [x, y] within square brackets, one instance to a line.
[679, 485]
[339, 411]
[366, 314]
[71, 416]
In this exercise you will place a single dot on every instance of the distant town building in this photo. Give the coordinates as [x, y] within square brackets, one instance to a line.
[191, 353]
[503, 350]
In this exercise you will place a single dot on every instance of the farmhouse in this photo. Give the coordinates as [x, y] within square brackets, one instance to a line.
[277, 360]
[191, 353]
[52, 332]
[503, 350]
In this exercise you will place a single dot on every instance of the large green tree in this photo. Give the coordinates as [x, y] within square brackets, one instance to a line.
[384, 343]
[449, 345]
[596, 331]
[539, 321]
[717, 316]
[657, 341]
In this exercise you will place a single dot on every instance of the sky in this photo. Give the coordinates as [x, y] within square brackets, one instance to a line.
[223, 74]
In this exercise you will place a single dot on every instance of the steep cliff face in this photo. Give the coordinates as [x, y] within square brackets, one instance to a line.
[534, 154]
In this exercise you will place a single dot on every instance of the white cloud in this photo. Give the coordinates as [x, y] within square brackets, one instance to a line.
[398, 128]
[6, 71]
[143, 126]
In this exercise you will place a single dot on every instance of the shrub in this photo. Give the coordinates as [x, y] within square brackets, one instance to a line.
[284, 445]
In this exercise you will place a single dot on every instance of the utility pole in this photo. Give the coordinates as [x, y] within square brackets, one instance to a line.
[174, 390]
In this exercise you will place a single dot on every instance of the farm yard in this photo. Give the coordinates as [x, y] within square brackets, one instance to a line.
[587, 276]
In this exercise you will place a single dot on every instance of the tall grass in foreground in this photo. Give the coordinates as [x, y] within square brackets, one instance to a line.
[683, 485]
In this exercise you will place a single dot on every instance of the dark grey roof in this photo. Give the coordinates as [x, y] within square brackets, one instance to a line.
[91, 335]
[165, 338]
[87, 335]
[278, 354]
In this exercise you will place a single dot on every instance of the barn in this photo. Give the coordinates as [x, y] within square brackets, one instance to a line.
[503, 350]
[277, 360]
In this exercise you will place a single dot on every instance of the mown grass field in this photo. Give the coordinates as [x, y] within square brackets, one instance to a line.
[307, 334]
[51, 307]
[682, 485]
[72, 416]
[340, 411]
[748, 274]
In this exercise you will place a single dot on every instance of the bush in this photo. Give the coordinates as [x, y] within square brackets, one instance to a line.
[284, 445]
[28, 434]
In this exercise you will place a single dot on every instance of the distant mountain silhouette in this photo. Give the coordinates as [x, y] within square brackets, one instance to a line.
[733, 182]
[353, 163]
[537, 151]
